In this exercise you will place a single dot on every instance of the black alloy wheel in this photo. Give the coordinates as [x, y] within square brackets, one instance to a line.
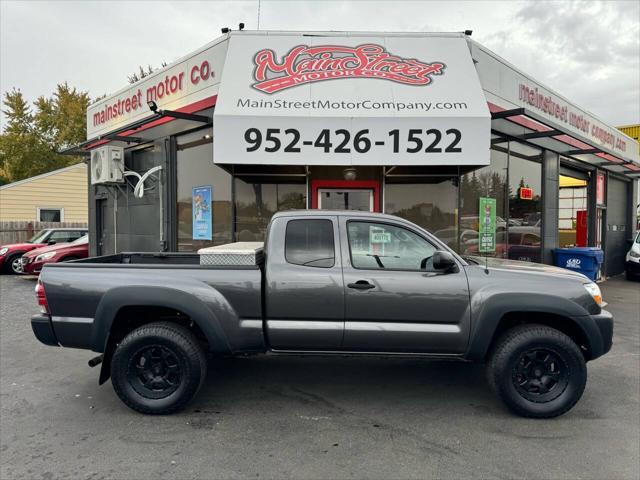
[158, 368]
[540, 375]
[537, 371]
[155, 371]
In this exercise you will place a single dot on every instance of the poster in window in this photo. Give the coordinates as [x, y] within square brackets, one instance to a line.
[600, 189]
[487, 224]
[201, 210]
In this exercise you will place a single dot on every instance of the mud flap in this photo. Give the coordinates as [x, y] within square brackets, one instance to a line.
[105, 370]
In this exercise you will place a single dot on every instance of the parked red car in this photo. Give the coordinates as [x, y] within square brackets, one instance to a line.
[10, 254]
[32, 262]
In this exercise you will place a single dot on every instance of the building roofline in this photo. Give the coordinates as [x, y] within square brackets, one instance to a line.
[225, 36]
[42, 175]
[344, 33]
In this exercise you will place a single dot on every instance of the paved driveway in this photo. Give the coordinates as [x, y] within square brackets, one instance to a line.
[268, 417]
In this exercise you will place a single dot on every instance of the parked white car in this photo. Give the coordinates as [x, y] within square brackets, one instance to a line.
[633, 258]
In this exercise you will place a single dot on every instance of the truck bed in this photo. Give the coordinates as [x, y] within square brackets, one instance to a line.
[81, 291]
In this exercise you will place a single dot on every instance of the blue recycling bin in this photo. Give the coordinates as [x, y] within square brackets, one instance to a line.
[586, 260]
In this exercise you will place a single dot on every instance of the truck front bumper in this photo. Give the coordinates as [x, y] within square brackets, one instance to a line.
[43, 329]
[604, 322]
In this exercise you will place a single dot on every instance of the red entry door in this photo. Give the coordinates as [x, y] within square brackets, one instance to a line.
[581, 228]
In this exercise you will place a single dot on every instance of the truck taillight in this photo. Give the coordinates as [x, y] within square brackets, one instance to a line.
[42, 298]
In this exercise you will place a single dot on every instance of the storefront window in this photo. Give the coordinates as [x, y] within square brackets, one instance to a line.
[490, 182]
[432, 204]
[203, 194]
[525, 203]
[257, 202]
[572, 211]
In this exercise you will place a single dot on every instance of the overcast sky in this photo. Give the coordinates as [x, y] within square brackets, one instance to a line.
[588, 51]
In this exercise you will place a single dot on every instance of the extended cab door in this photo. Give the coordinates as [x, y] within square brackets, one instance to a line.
[304, 295]
[394, 300]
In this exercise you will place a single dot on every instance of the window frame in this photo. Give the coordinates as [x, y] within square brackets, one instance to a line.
[65, 230]
[60, 209]
[391, 224]
[333, 240]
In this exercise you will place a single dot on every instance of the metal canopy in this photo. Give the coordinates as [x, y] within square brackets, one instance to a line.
[121, 138]
[583, 151]
[523, 124]
[547, 133]
[123, 134]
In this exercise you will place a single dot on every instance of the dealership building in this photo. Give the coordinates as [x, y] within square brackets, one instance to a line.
[423, 126]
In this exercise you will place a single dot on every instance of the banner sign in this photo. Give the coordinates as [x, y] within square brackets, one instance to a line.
[350, 100]
[201, 198]
[487, 225]
[600, 189]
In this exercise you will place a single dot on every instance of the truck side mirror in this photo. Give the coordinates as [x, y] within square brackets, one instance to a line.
[51, 242]
[443, 261]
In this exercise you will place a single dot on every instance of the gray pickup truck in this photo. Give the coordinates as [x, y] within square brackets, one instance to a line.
[336, 283]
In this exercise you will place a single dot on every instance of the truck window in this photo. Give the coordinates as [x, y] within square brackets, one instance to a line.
[380, 246]
[310, 243]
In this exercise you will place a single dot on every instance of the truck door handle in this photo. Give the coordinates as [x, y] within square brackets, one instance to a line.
[361, 285]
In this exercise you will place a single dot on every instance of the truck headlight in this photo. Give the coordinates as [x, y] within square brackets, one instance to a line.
[3, 250]
[631, 254]
[45, 256]
[594, 291]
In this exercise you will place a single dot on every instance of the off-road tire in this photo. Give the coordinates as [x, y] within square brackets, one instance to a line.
[181, 345]
[512, 350]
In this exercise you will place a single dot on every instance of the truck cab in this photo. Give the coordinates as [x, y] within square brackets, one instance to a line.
[363, 282]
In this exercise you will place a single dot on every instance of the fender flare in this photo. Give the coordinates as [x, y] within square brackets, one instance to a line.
[493, 308]
[154, 296]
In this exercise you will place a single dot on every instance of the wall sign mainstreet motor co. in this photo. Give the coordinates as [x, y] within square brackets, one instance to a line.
[189, 80]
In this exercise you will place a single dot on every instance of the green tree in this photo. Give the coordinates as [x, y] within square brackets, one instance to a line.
[32, 137]
[61, 119]
[143, 72]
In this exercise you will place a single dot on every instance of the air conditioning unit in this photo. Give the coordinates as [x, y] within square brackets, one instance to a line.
[107, 165]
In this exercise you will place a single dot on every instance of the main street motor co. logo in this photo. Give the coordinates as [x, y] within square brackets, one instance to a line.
[304, 64]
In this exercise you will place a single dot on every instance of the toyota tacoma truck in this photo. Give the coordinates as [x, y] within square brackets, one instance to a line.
[333, 283]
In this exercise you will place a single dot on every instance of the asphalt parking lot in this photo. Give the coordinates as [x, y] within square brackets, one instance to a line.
[274, 417]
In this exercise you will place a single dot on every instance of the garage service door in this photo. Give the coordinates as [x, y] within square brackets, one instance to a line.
[616, 227]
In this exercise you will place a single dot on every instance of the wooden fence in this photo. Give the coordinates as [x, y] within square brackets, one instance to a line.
[17, 232]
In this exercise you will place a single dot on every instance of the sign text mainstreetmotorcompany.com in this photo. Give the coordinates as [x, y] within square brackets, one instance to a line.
[304, 64]
[342, 105]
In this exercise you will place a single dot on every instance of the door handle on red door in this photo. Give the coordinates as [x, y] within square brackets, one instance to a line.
[361, 285]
